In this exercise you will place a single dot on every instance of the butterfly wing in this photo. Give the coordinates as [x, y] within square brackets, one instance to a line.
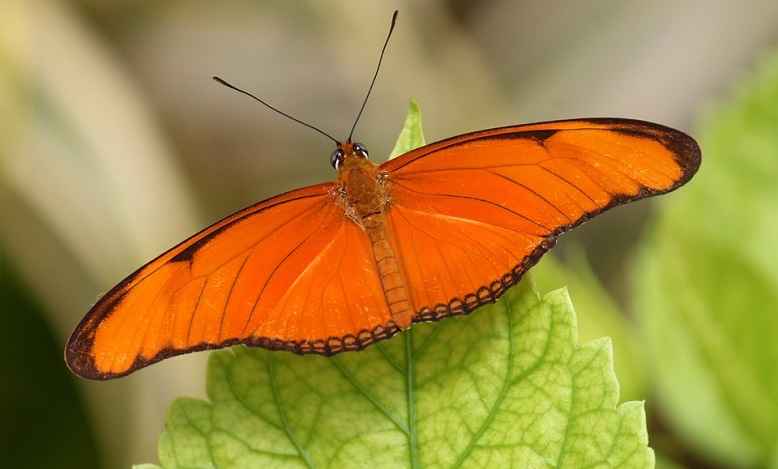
[469, 215]
[288, 273]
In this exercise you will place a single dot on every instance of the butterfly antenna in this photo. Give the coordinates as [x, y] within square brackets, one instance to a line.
[228, 85]
[380, 59]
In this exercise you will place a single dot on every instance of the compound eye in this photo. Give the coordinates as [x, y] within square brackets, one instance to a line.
[336, 158]
[360, 150]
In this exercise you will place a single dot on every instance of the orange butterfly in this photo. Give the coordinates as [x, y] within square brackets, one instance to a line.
[338, 266]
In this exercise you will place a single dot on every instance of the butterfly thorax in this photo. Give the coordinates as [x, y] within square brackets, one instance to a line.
[364, 196]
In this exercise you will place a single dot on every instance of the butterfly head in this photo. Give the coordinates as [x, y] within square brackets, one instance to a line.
[346, 153]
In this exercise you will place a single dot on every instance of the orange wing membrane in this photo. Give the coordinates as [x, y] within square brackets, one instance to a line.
[338, 266]
[469, 215]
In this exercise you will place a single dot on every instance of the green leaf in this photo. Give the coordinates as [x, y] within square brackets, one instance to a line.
[506, 386]
[411, 135]
[598, 316]
[706, 289]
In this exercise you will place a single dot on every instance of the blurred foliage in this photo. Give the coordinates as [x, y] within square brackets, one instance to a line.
[706, 287]
[44, 422]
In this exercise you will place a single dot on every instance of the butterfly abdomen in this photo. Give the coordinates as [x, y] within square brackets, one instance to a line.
[392, 281]
[365, 202]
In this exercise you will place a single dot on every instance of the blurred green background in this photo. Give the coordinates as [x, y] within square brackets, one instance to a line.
[115, 144]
